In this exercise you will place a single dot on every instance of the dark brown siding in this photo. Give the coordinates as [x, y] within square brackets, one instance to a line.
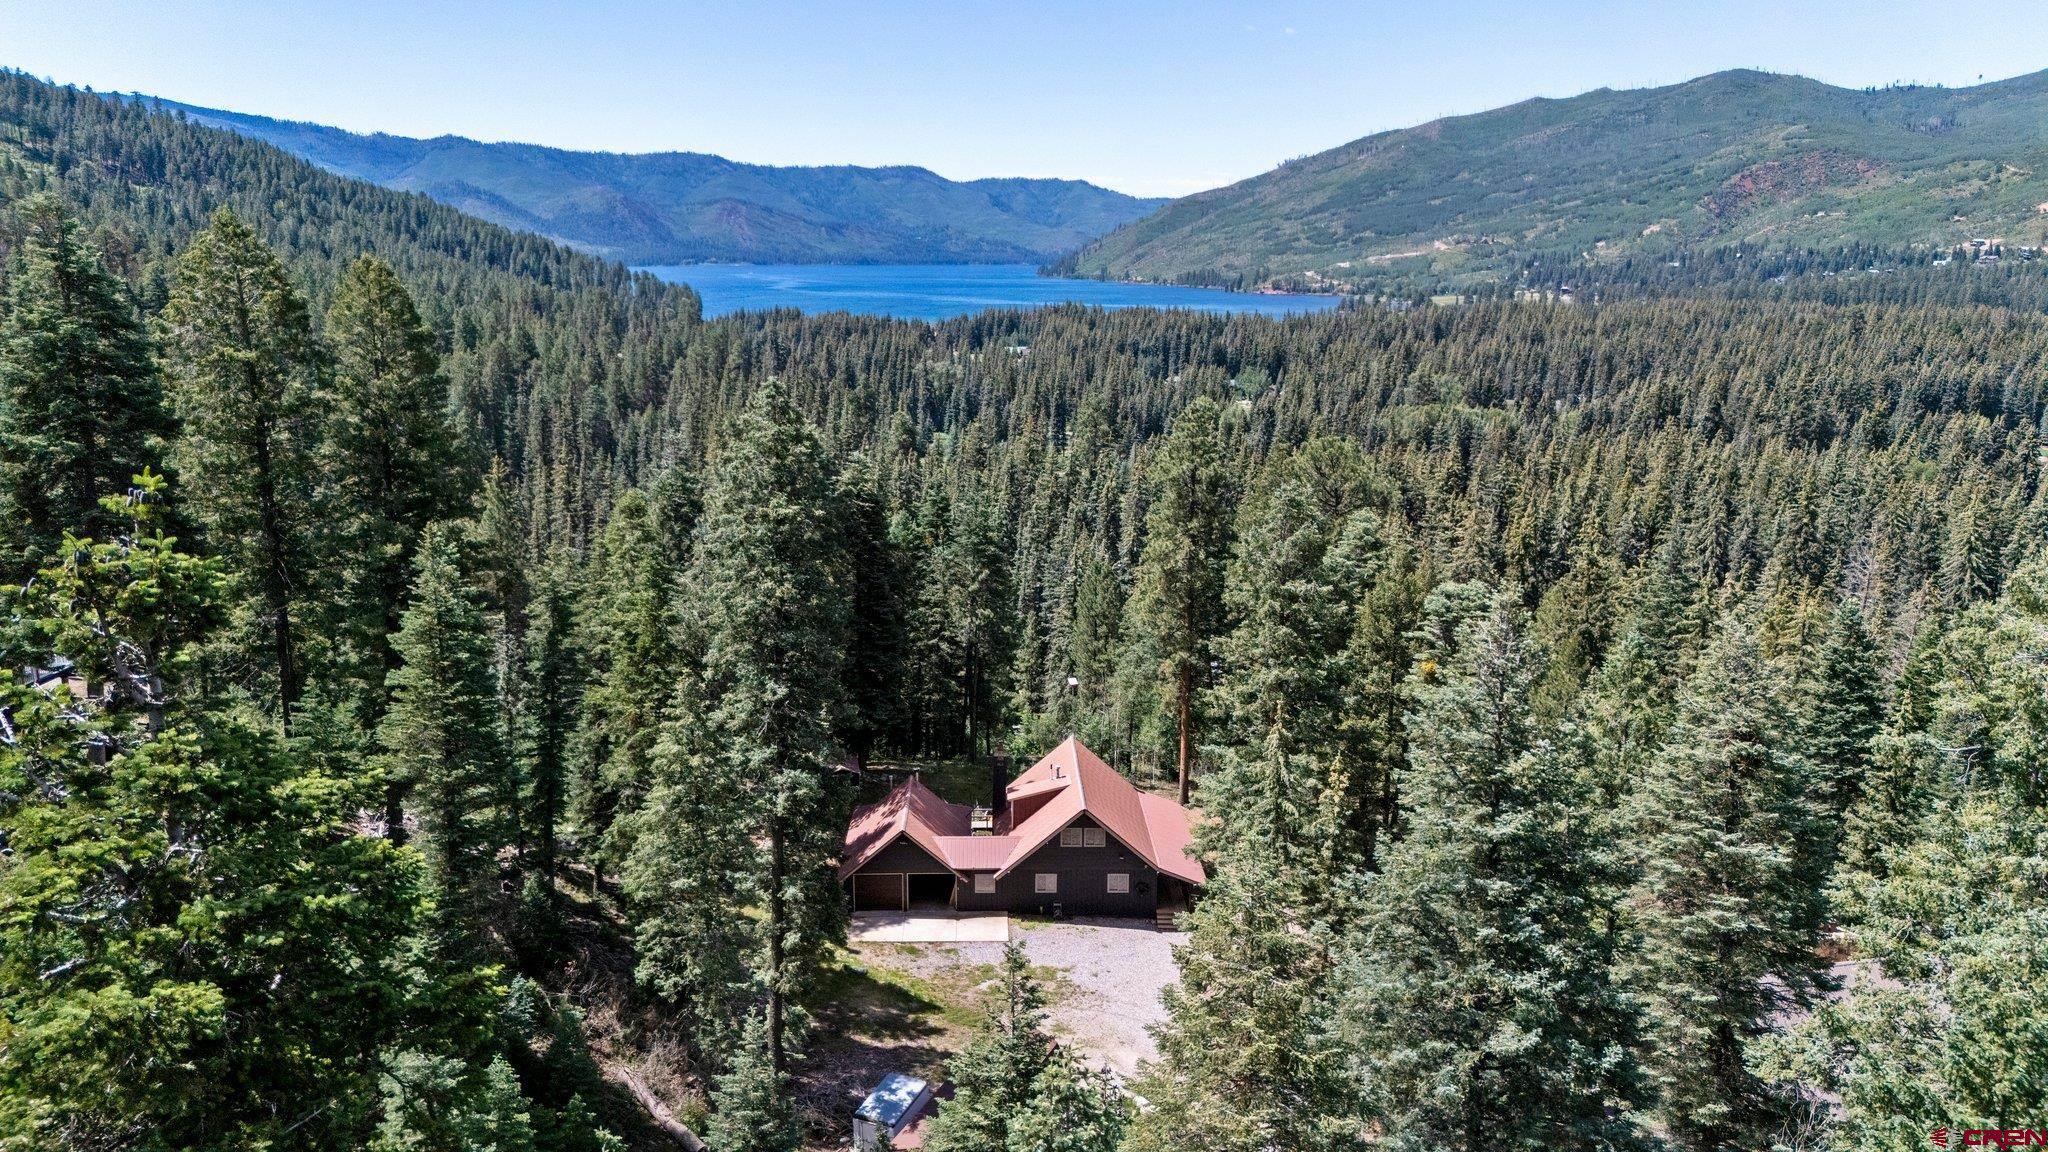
[1084, 882]
[903, 856]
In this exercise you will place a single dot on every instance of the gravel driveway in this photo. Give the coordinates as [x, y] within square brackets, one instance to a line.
[1111, 974]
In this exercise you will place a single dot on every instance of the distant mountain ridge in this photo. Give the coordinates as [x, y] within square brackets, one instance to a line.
[679, 207]
[1735, 158]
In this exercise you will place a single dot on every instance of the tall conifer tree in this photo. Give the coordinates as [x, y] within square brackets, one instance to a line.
[81, 408]
[1728, 906]
[1478, 1001]
[196, 950]
[243, 367]
[994, 1076]
[444, 754]
[762, 596]
[394, 460]
[1178, 598]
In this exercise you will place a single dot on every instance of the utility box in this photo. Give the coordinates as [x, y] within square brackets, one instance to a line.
[896, 1104]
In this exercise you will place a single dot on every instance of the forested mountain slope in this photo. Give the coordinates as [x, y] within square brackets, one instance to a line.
[1735, 158]
[677, 207]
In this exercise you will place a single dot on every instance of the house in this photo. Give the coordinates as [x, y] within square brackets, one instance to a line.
[893, 1115]
[1070, 836]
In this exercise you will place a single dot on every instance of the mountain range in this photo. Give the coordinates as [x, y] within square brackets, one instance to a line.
[1734, 158]
[682, 207]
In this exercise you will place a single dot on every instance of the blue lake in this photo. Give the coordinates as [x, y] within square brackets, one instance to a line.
[938, 291]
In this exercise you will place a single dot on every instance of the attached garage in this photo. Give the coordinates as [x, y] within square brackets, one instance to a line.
[880, 891]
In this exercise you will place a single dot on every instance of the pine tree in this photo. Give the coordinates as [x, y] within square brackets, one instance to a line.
[194, 945]
[81, 408]
[243, 367]
[762, 596]
[553, 695]
[1840, 709]
[995, 1076]
[443, 751]
[394, 460]
[636, 654]
[1281, 777]
[1178, 597]
[1477, 998]
[1246, 1061]
[1073, 1108]
[750, 1106]
[1727, 906]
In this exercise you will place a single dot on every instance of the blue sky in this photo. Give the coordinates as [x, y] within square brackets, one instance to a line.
[1152, 98]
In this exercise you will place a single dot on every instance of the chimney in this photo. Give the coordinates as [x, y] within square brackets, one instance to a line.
[998, 782]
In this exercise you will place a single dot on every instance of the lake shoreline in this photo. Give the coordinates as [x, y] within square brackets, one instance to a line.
[934, 292]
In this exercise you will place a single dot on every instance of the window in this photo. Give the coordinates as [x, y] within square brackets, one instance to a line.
[984, 883]
[1070, 837]
[1094, 838]
[1119, 883]
[1046, 882]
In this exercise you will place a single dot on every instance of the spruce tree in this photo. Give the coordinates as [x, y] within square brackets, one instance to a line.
[1073, 1108]
[874, 577]
[444, 755]
[1728, 908]
[631, 634]
[441, 1104]
[195, 948]
[1246, 1059]
[751, 1109]
[1840, 709]
[243, 367]
[394, 461]
[1477, 1000]
[762, 597]
[81, 408]
[1293, 587]
[1946, 1026]
[552, 672]
[995, 1076]
[968, 613]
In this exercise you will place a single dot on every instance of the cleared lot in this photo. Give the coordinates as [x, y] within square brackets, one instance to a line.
[1108, 975]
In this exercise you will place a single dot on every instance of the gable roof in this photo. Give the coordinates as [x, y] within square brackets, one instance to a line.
[911, 810]
[1074, 782]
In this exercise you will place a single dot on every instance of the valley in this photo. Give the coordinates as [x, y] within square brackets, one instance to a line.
[1567, 675]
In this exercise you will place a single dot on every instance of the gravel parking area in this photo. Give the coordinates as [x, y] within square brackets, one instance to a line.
[1111, 974]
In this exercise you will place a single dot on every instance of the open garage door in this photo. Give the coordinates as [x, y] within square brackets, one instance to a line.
[882, 891]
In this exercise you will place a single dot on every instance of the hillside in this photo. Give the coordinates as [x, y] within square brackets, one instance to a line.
[678, 207]
[1735, 158]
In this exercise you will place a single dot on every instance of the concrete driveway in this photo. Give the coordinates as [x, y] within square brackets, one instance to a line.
[934, 927]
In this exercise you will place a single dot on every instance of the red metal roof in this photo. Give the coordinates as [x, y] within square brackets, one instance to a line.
[911, 810]
[1074, 781]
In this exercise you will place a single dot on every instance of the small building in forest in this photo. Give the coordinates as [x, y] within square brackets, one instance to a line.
[893, 1115]
[1070, 836]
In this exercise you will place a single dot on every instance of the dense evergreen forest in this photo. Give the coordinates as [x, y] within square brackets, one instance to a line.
[463, 636]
